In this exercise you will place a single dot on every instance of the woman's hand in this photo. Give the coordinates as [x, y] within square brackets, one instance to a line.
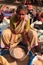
[40, 57]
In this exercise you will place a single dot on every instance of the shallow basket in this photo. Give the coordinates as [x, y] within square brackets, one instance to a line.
[24, 49]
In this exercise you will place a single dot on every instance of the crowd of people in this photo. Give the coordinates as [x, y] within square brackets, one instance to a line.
[20, 29]
[34, 2]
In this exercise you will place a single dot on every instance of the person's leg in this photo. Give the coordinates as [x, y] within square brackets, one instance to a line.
[35, 37]
[5, 39]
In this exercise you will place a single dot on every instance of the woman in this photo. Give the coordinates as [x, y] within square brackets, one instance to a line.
[19, 27]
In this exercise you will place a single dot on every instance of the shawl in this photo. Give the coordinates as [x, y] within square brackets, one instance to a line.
[24, 24]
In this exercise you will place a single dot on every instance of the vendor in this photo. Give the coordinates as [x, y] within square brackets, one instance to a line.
[31, 13]
[19, 30]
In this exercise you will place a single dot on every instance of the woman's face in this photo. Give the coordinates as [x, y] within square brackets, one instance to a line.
[21, 15]
[29, 7]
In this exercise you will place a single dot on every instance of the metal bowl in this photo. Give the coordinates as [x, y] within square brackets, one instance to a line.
[24, 49]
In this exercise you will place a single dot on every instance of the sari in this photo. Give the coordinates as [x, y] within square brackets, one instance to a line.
[23, 24]
[13, 38]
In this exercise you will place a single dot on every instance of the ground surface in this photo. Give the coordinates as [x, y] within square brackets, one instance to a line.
[15, 62]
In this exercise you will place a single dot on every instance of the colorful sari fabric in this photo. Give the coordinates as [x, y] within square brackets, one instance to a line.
[14, 38]
[25, 24]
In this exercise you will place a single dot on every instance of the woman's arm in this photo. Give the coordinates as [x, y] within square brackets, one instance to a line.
[40, 57]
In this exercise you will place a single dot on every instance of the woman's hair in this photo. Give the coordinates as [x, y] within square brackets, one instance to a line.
[21, 7]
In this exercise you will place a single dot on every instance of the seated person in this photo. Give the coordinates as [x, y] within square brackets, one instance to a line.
[19, 30]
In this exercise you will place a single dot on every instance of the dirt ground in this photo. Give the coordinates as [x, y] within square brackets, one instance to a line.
[12, 61]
